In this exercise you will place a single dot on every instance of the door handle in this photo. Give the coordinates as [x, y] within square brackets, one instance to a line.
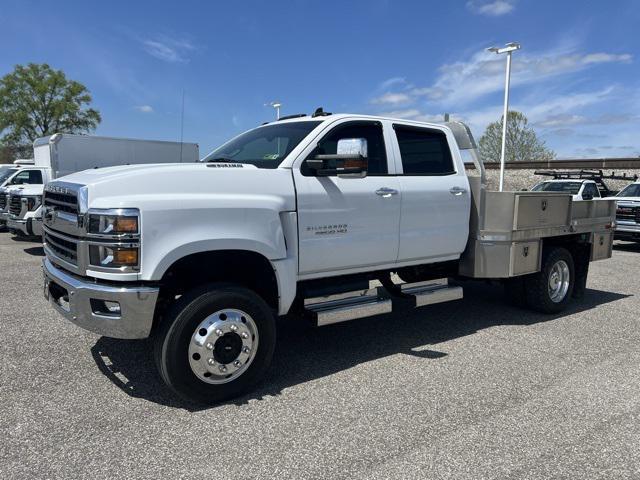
[386, 192]
[457, 191]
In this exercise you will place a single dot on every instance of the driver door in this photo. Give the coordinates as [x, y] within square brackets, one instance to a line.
[348, 223]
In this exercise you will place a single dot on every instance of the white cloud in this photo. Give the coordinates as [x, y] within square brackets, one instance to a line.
[414, 114]
[390, 82]
[144, 108]
[463, 82]
[492, 8]
[606, 57]
[390, 98]
[550, 113]
[562, 120]
[567, 116]
[168, 49]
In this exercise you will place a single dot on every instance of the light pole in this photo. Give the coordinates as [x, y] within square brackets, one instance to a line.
[508, 49]
[276, 106]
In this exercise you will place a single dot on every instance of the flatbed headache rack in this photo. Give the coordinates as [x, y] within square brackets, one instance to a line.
[598, 176]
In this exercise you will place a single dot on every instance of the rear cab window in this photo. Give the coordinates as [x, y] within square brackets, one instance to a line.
[591, 189]
[424, 151]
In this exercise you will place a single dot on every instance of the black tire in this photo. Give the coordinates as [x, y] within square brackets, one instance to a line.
[171, 341]
[537, 285]
[515, 292]
[581, 264]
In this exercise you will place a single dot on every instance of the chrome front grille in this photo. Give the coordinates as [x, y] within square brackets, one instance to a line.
[62, 202]
[15, 205]
[628, 214]
[63, 247]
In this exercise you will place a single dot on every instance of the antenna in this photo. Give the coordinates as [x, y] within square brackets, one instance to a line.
[181, 125]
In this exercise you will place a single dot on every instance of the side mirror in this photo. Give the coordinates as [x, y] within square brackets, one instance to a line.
[350, 161]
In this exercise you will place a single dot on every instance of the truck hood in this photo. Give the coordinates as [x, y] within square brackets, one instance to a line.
[630, 200]
[34, 189]
[133, 186]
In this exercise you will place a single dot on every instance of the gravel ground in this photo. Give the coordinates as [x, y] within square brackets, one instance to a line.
[473, 389]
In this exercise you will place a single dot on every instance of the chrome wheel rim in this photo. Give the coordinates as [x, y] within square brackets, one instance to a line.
[223, 346]
[559, 278]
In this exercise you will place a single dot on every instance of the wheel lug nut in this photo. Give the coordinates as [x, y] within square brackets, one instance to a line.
[209, 346]
[233, 328]
[219, 332]
[246, 349]
[244, 335]
[237, 363]
[211, 361]
[223, 368]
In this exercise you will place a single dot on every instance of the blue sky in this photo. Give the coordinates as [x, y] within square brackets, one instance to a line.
[577, 77]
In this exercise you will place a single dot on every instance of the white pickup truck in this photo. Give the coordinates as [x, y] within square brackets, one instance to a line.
[299, 216]
[20, 176]
[579, 189]
[628, 213]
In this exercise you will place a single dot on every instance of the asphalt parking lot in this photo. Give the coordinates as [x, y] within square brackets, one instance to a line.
[472, 389]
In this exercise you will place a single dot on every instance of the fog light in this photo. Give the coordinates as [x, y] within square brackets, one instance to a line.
[112, 307]
[106, 308]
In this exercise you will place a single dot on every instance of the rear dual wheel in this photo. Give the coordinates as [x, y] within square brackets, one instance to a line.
[215, 343]
[549, 290]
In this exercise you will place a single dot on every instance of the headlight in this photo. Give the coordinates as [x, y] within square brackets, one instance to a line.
[113, 222]
[113, 256]
[32, 202]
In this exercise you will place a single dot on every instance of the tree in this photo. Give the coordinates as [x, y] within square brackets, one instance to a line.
[36, 101]
[523, 145]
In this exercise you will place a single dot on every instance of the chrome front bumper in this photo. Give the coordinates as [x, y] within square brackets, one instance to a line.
[627, 230]
[31, 227]
[627, 227]
[82, 302]
[17, 224]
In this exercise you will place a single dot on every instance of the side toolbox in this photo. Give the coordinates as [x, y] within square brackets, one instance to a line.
[602, 245]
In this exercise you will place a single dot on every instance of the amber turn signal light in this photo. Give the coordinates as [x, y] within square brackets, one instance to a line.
[126, 224]
[125, 256]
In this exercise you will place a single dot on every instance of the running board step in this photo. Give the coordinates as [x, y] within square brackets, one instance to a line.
[431, 294]
[377, 301]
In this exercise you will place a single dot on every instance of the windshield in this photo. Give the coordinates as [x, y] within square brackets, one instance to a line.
[6, 172]
[632, 190]
[565, 187]
[264, 147]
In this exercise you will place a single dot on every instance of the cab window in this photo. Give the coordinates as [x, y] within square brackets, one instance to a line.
[591, 189]
[370, 131]
[424, 151]
[27, 177]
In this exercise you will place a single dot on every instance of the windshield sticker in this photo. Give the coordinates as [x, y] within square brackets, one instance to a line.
[271, 156]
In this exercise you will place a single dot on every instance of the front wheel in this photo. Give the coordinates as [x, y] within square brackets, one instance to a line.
[215, 343]
[549, 290]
